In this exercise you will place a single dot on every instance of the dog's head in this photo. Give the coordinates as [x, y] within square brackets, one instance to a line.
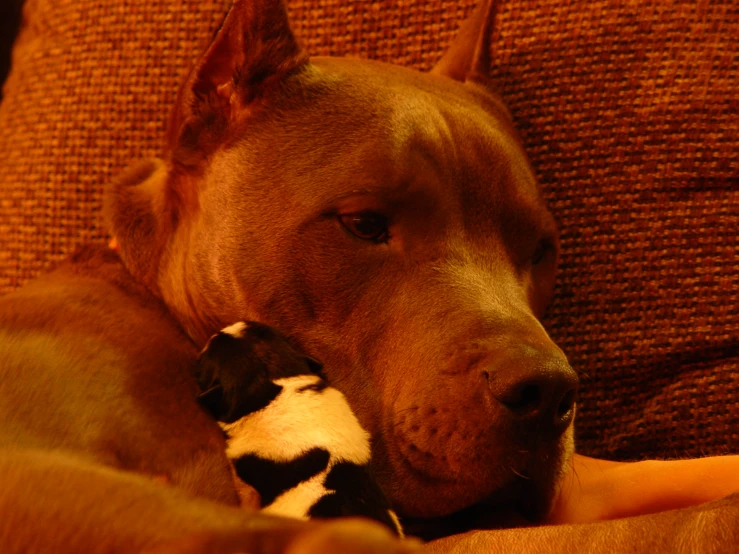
[389, 222]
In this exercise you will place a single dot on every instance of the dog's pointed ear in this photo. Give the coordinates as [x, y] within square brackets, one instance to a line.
[468, 57]
[250, 54]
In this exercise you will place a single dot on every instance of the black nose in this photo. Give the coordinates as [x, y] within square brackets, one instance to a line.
[536, 387]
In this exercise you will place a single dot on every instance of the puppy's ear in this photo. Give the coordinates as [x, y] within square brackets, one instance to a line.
[212, 401]
[136, 214]
[234, 377]
[468, 57]
[249, 56]
[314, 365]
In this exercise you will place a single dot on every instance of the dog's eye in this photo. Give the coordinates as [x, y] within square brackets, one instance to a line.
[367, 226]
[542, 249]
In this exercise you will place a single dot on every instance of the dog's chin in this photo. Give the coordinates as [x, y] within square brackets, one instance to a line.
[520, 503]
[527, 498]
[488, 494]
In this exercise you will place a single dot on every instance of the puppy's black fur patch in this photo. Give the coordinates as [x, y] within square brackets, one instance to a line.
[236, 373]
[271, 478]
[354, 493]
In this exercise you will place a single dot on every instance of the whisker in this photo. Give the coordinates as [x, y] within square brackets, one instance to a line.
[521, 475]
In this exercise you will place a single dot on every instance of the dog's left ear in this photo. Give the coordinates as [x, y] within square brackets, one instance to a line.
[251, 53]
[468, 57]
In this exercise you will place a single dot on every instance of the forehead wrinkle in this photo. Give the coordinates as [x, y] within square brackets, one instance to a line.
[495, 178]
[411, 133]
[475, 281]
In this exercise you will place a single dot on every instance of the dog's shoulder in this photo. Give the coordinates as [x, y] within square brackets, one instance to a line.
[92, 285]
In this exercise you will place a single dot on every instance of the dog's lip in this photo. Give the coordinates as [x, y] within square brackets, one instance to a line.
[423, 475]
[397, 458]
[504, 509]
[521, 495]
[450, 492]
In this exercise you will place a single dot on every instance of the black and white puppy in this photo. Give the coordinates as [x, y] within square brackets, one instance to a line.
[290, 435]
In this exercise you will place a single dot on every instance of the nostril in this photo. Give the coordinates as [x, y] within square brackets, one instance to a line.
[566, 404]
[523, 399]
[551, 396]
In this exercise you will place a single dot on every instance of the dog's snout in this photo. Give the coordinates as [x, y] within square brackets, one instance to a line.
[536, 388]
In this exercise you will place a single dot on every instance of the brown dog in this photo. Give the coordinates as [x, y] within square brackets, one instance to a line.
[389, 222]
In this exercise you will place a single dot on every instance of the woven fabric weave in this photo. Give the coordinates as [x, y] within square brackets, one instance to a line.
[630, 113]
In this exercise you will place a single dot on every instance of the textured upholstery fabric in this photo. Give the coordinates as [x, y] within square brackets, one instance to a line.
[630, 112]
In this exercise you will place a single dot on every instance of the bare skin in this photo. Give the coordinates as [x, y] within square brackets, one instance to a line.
[598, 490]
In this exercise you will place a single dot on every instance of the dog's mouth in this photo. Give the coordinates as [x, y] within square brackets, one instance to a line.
[497, 478]
[520, 503]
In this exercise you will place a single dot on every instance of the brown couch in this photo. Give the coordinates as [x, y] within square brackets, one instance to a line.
[630, 112]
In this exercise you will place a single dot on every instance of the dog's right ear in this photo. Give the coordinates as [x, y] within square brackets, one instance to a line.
[249, 56]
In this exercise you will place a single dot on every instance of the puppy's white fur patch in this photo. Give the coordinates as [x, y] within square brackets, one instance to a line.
[306, 414]
[236, 330]
[298, 421]
[297, 501]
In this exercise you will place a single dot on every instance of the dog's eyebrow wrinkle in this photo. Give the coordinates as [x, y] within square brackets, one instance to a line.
[473, 282]
[376, 190]
[416, 136]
